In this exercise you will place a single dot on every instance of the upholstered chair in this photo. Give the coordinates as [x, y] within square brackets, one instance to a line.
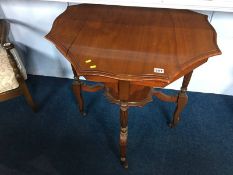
[12, 71]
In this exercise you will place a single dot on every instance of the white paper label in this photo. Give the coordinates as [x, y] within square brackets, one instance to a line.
[159, 70]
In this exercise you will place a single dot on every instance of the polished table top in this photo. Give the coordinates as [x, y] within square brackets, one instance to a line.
[136, 44]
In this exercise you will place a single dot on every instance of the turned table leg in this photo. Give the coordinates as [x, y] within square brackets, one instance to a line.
[123, 89]
[123, 134]
[182, 100]
[77, 90]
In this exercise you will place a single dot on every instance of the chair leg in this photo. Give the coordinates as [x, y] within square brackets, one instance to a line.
[123, 134]
[182, 100]
[28, 96]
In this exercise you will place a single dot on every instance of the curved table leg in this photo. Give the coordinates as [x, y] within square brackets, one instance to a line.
[77, 87]
[182, 100]
[77, 90]
[123, 134]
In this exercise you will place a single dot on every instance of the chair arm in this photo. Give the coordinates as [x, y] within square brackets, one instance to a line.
[4, 30]
[10, 48]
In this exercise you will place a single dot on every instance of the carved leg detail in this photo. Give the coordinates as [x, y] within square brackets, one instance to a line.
[182, 100]
[123, 134]
[76, 86]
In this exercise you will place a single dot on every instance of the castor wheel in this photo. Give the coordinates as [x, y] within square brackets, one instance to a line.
[124, 163]
[83, 114]
[171, 125]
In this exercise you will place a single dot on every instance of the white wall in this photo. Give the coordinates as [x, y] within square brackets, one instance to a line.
[31, 21]
[210, 5]
[216, 76]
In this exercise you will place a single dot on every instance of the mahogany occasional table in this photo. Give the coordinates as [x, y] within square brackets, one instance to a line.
[130, 51]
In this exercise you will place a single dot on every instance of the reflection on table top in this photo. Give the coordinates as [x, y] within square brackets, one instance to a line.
[136, 44]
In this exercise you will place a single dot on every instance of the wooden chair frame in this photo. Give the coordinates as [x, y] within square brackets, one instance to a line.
[22, 89]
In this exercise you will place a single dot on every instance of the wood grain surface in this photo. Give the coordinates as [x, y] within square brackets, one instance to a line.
[128, 43]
